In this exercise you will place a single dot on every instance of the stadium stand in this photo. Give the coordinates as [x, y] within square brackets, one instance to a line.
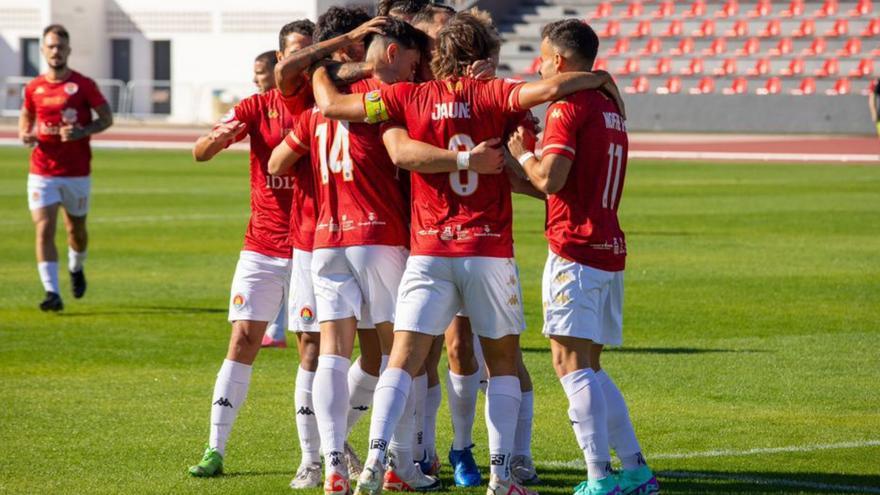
[764, 47]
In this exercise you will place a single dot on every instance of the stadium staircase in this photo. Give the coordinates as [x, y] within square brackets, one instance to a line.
[765, 47]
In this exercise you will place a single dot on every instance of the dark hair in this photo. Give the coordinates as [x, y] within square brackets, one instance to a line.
[574, 38]
[267, 58]
[408, 7]
[338, 21]
[402, 33]
[58, 30]
[468, 37]
[304, 27]
[427, 14]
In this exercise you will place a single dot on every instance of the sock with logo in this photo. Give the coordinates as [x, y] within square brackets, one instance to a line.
[432, 407]
[230, 391]
[587, 413]
[75, 259]
[389, 403]
[621, 435]
[503, 398]
[522, 443]
[462, 395]
[330, 397]
[419, 394]
[49, 276]
[306, 423]
[361, 386]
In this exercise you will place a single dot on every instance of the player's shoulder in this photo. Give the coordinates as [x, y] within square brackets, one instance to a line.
[365, 85]
[81, 79]
[35, 82]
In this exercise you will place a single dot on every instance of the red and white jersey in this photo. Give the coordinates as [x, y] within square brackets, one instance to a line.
[582, 223]
[360, 201]
[460, 213]
[57, 104]
[268, 121]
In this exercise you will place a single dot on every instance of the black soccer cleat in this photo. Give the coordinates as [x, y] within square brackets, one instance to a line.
[78, 283]
[52, 302]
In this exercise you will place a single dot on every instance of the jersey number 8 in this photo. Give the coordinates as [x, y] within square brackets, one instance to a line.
[463, 182]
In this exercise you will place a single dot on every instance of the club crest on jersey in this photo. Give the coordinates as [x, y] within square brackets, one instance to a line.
[69, 115]
[238, 301]
[71, 88]
[306, 314]
[273, 114]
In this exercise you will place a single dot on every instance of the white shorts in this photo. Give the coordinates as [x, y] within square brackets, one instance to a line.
[259, 287]
[302, 316]
[582, 302]
[71, 192]
[485, 289]
[359, 281]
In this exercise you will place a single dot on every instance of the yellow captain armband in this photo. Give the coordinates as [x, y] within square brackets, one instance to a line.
[375, 108]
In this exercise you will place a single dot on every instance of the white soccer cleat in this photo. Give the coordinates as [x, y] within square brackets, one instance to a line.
[410, 479]
[355, 466]
[307, 476]
[522, 470]
[371, 479]
[509, 487]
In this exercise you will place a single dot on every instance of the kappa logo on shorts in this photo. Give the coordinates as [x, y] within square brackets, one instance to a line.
[238, 301]
[514, 300]
[562, 298]
[306, 314]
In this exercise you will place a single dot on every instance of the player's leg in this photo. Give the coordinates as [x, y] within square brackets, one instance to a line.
[462, 385]
[75, 199]
[363, 375]
[522, 467]
[429, 461]
[44, 199]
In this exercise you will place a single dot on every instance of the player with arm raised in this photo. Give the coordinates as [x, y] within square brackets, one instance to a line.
[582, 171]
[56, 120]
[462, 246]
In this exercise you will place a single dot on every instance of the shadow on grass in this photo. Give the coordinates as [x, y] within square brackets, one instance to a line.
[146, 310]
[651, 350]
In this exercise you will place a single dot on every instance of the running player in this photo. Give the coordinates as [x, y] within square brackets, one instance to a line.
[582, 171]
[56, 120]
[262, 275]
[461, 232]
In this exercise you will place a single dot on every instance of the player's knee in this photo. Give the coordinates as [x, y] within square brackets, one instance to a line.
[309, 350]
[460, 352]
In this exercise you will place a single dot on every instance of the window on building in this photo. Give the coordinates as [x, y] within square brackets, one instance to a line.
[30, 57]
[161, 95]
[121, 62]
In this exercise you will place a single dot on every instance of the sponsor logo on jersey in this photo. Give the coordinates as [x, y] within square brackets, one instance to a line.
[238, 301]
[71, 88]
[451, 110]
[40, 90]
[223, 402]
[306, 314]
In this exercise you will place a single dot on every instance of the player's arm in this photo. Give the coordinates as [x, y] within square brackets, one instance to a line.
[536, 93]
[519, 181]
[346, 73]
[217, 140]
[547, 175]
[291, 72]
[416, 156]
[26, 120]
[286, 154]
[872, 103]
[334, 104]
[104, 121]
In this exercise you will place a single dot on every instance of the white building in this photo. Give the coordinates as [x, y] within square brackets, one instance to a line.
[171, 59]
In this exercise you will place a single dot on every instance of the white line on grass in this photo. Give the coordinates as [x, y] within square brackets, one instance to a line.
[758, 480]
[141, 219]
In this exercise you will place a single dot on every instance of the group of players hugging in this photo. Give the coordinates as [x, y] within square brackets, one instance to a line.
[378, 155]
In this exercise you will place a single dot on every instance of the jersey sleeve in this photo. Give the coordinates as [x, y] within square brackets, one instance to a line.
[502, 96]
[245, 112]
[28, 103]
[299, 138]
[394, 97]
[93, 95]
[560, 134]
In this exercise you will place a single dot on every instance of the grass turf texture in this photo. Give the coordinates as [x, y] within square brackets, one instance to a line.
[752, 309]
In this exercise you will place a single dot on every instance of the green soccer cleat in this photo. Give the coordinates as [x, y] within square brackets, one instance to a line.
[605, 486]
[640, 481]
[210, 465]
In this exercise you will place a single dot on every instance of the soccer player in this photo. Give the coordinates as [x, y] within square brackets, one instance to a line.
[582, 171]
[461, 235]
[262, 275]
[56, 120]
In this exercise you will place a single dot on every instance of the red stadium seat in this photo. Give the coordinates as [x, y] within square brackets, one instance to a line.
[639, 85]
[773, 86]
[852, 48]
[773, 29]
[643, 28]
[729, 9]
[603, 10]
[807, 87]
[665, 9]
[675, 28]
[783, 47]
[535, 66]
[739, 86]
[685, 46]
[864, 7]
[664, 65]
[828, 9]
[600, 64]
[728, 68]
[631, 66]
[612, 29]
[840, 28]
[830, 68]
[694, 68]
[621, 46]
[762, 67]
[795, 67]
[865, 68]
[635, 9]
[707, 29]
[739, 29]
[750, 47]
[873, 28]
[698, 9]
[672, 86]
[817, 47]
[718, 47]
[652, 47]
[841, 87]
[704, 87]
[795, 9]
[806, 29]
[762, 9]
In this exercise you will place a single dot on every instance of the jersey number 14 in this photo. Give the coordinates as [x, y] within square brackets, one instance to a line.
[339, 159]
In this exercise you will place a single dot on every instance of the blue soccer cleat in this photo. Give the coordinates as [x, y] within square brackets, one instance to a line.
[640, 481]
[464, 468]
[605, 486]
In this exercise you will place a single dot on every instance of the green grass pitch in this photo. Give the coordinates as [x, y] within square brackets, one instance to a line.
[752, 310]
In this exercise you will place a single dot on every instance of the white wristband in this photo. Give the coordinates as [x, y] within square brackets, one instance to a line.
[463, 160]
[525, 157]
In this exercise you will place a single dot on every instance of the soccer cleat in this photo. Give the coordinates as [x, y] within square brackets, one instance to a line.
[410, 479]
[337, 484]
[605, 486]
[509, 487]
[307, 476]
[523, 471]
[52, 302]
[640, 481]
[210, 465]
[464, 468]
[355, 466]
[371, 479]
[430, 463]
[270, 342]
[78, 283]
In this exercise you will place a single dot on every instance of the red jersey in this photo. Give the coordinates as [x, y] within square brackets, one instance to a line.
[360, 201]
[57, 104]
[460, 213]
[581, 223]
[267, 121]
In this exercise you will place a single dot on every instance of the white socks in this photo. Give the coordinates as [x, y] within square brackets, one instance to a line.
[75, 259]
[306, 424]
[49, 276]
[389, 403]
[331, 408]
[361, 386]
[230, 391]
[462, 391]
[503, 398]
[522, 443]
[621, 435]
[419, 394]
[432, 407]
[587, 413]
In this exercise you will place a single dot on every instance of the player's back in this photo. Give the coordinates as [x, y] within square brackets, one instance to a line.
[582, 222]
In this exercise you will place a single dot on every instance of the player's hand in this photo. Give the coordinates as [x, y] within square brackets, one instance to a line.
[521, 142]
[610, 89]
[483, 70]
[488, 157]
[72, 133]
[28, 138]
[373, 26]
[227, 132]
